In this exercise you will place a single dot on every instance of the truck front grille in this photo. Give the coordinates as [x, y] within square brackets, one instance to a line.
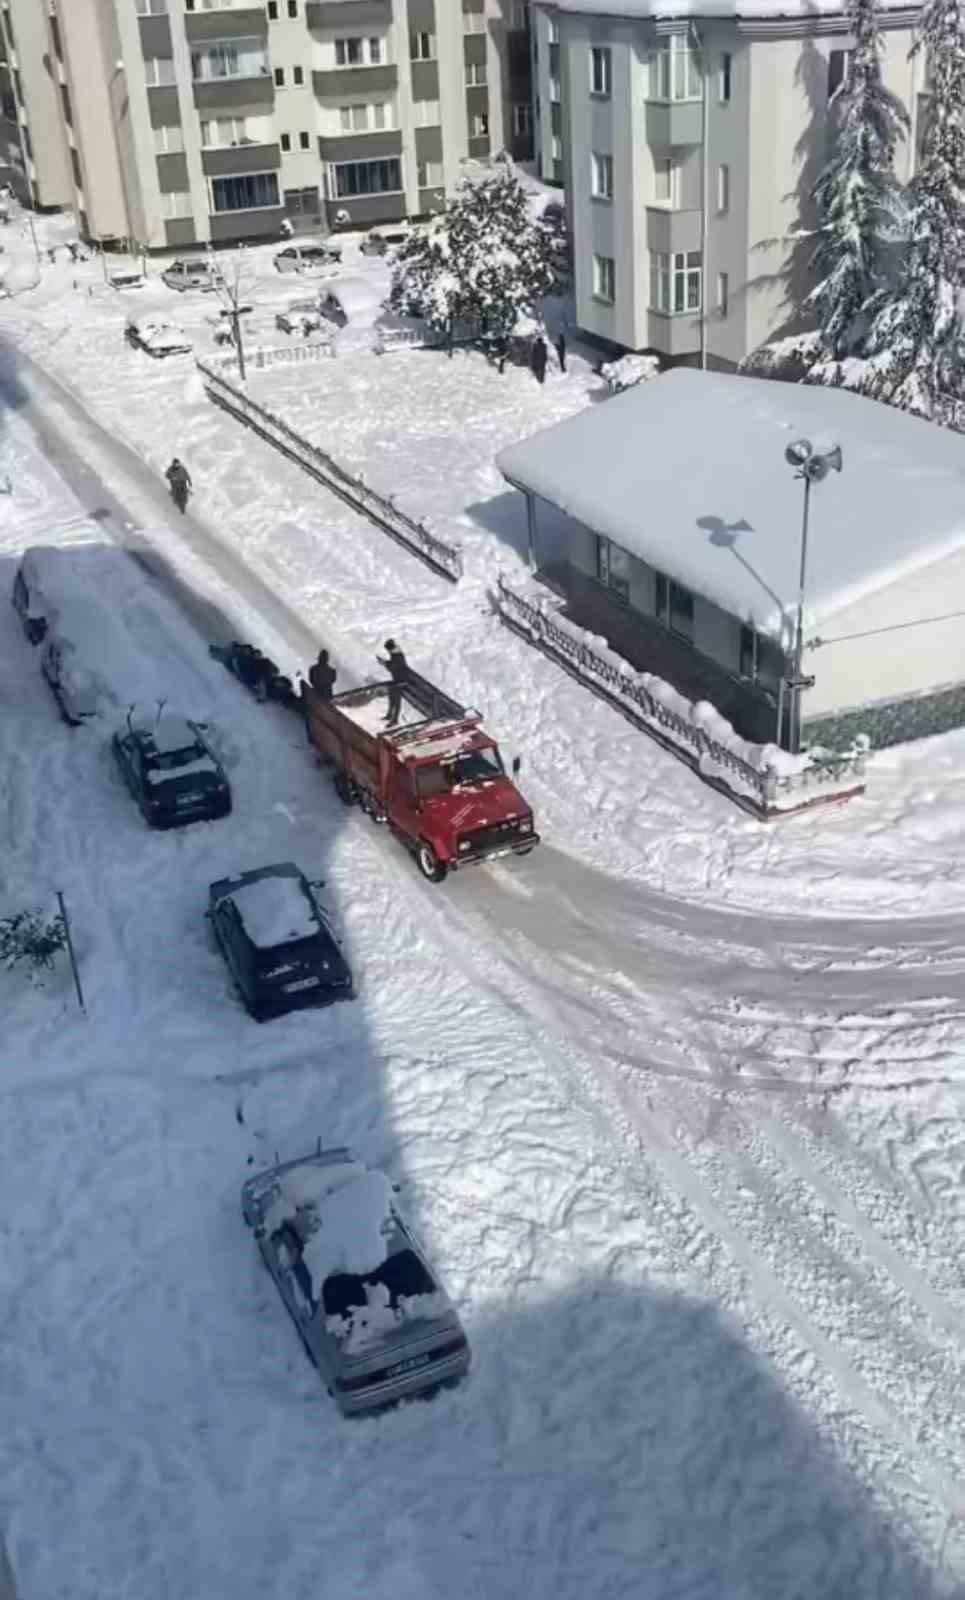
[495, 837]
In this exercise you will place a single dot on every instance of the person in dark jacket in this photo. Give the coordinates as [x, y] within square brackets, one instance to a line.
[179, 479]
[398, 669]
[538, 358]
[561, 348]
[321, 676]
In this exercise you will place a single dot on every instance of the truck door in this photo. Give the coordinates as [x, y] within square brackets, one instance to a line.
[402, 803]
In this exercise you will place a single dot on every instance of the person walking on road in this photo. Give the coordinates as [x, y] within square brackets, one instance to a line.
[398, 669]
[179, 479]
[321, 676]
[561, 348]
[538, 358]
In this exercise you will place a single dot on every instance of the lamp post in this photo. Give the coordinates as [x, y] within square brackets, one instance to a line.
[812, 466]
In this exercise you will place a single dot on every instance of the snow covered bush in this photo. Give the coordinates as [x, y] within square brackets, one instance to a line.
[484, 261]
[25, 937]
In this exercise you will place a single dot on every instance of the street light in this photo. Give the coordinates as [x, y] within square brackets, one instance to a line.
[812, 466]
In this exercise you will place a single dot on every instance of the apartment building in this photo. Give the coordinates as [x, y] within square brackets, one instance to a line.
[688, 150]
[33, 159]
[187, 122]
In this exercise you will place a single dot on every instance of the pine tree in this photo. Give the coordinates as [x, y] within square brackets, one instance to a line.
[857, 194]
[915, 346]
[484, 260]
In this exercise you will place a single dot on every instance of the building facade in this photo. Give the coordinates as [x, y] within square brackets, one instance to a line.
[689, 150]
[186, 122]
[33, 157]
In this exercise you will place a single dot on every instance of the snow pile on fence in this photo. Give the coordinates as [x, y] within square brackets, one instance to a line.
[763, 776]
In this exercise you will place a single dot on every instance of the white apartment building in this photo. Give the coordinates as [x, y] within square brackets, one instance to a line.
[688, 148]
[33, 159]
[184, 122]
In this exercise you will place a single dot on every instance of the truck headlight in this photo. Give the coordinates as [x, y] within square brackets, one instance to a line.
[526, 826]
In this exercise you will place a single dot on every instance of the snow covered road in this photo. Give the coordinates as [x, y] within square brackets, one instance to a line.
[693, 1174]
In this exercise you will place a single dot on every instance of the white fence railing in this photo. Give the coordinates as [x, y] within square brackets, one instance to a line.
[762, 778]
[270, 356]
[381, 509]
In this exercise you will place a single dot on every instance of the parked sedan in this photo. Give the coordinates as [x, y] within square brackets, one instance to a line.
[193, 273]
[379, 243]
[372, 1315]
[301, 316]
[157, 338]
[279, 948]
[312, 256]
[172, 772]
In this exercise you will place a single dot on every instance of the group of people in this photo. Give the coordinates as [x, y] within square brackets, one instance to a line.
[322, 675]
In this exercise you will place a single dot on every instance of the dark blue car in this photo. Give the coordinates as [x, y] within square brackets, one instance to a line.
[274, 936]
[172, 772]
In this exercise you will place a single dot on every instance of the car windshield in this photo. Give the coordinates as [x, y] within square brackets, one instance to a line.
[403, 1274]
[170, 760]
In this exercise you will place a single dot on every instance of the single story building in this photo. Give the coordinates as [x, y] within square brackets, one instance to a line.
[680, 541]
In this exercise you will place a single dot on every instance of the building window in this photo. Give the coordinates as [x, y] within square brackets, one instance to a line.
[665, 181]
[557, 147]
[723, 79]
[158, 72]
[604, 279]
[304, 142]
[66, 105]
[476, 74]
[675, 282]
[375, 51]
[229, 58]
[367, 177]
[272, 10]
[422, 46]
[176, 206]
[480, 125]
[553, 30]
[601, 176]
[256, 192]
[675, 70]
[151, 8]
[839, 65]
[298, 74]
[279, 77]
[169, 141]
[425, 113]
[429, 174]
[723, 294]
[473, 22]
[522, 119]
[75, 167]
[518, 16]
[723, 188]
[357, 52]
[286, 142]
[365, 118]
[601, 70]
[613, 568]
[674, 606]
[555, 90]
[217, 5]
[293, 8]
[223, 131]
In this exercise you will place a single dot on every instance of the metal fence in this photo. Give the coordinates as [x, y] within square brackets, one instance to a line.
[763, 790]
[271, 356]
[446, 559]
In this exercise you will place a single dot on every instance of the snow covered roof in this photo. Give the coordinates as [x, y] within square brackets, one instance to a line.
[688, 473]
[274, 911]
[171, 733]
[358, 297]
[752, 9]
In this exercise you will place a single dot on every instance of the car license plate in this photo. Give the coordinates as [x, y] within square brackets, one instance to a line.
[412, 1365]
[300, 983]
[190, 799]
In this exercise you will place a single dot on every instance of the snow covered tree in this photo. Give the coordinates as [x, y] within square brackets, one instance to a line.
[916, 346]
[857, 194]
[484, 260]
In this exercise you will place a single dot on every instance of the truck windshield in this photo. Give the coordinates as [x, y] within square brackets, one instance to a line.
[476, 766]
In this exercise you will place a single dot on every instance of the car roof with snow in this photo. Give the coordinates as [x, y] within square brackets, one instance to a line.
[273, 904]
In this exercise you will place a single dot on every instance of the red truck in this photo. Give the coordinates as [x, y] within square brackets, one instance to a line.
[437, 778]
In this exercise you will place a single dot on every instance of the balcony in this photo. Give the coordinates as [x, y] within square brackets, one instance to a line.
[239, 158]
[670, 231]
[348, 13]
[244, 92]
[230, 22]
[674, 122]
[262, 223]
[375, 146]
[383, 79]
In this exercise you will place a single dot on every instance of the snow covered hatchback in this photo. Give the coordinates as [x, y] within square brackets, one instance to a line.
[279, 948]
[171, 771]
[372, 1316]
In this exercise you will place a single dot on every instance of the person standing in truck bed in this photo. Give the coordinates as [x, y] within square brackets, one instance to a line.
[398, 669]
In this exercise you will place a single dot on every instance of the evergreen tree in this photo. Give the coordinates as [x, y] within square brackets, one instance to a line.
[484, 260]
[915, 345]
[857, 194]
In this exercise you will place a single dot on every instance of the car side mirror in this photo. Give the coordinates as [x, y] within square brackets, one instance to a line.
[517, 763]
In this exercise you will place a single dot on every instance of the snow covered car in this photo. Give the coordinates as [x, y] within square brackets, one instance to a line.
[73, 685]
[29, 599]
[157, 338]
[301, 316]
[315, 255]
[380, 241]
[371, 1314]
[279, 948]
[355, 301]
[192, 273]
[171, 771]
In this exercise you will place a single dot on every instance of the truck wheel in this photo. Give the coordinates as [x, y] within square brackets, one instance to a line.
[344, 789]
[429, 864]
